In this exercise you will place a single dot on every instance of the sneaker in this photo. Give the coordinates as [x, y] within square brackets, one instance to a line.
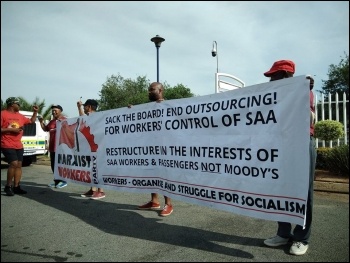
[98, 195]
[276, 241]
[87, 194]
[8, 190]
[17, 190]
[52, 185]
[61, 185]
[149, 205]
[167, 210]
[298, 248]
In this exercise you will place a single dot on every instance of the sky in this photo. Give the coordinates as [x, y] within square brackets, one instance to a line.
[59, 51]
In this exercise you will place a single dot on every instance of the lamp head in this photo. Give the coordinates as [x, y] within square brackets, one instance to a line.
[213, 52]
[157, 40]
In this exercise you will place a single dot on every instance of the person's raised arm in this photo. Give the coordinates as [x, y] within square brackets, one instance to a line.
[42, 124]
[35, 113]
[80, 110]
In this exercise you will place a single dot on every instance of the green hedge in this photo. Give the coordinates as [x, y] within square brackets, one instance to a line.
[329, 130]
[322, 157]
[335, 160]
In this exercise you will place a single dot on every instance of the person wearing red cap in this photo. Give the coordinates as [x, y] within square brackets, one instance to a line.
[281, 69]
[300, 237]
[89, 107]
[57, 115]
[12, 123]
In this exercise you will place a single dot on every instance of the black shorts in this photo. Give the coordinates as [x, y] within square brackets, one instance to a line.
[12, 154]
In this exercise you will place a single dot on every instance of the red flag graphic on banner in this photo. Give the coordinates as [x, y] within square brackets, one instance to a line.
[85, 130]
[67, 135]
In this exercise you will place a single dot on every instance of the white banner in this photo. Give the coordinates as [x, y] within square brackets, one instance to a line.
[244, 151]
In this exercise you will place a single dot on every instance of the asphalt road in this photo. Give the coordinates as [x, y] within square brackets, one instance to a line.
[60, 226]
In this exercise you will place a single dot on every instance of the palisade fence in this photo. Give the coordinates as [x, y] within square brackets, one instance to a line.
[332, 108]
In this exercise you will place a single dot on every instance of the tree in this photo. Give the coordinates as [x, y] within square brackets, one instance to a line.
[338, 83]
[338, 78]
[27, 106]
[329, 130]
[118, 92]
[179, 91]
[333, 159]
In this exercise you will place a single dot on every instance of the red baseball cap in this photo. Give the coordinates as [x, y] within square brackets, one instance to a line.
[285, 65]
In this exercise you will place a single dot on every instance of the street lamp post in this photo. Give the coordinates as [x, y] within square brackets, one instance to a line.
[157, 40]
[214, 53]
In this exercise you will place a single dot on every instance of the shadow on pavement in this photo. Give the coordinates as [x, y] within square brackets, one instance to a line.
[122, 220]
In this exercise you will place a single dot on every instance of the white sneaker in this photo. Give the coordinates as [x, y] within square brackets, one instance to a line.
[276, 241]
[298, 248]
[61, 185]
[52, 185]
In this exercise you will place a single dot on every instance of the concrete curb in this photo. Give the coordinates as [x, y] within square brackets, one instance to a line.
[333, 187]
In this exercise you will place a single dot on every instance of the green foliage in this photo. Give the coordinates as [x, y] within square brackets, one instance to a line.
[329, 130]
[177, 92]
[322, 158]
[46, 114]
[28, 106]
[338, 160]
[335, 160]
[336, 85]
[118, 92]
[338, 78]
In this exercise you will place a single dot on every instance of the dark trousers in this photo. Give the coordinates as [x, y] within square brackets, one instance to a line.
[299, 233]
[52, 160]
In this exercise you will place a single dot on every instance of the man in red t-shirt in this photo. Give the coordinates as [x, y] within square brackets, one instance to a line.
[12, 123]
[51, 128]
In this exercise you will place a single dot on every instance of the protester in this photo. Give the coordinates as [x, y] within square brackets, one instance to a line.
[51, 128]
[90, 106]
[300, 237]
[155, 93]
[12, 124]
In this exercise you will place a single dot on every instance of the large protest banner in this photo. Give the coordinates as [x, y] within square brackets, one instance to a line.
[244, 151]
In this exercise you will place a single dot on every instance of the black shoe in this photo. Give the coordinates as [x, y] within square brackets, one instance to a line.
[19, 191]
[8, 190]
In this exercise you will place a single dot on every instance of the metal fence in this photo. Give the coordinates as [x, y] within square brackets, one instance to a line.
[332, 109]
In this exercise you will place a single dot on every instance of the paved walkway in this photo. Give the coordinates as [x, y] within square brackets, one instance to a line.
[58, 225]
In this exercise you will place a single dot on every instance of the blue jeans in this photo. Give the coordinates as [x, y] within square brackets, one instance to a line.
[299, 233]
